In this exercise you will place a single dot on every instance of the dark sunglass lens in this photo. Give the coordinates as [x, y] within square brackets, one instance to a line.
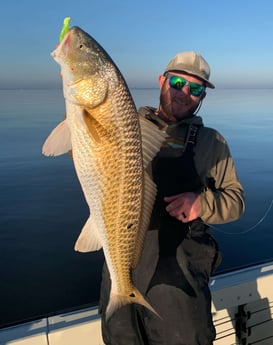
[177, 82]
[196, 89]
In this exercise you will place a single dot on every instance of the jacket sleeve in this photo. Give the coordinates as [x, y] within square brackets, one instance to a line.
[222, 199]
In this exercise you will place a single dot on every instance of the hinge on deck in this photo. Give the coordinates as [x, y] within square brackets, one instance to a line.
[242, 332]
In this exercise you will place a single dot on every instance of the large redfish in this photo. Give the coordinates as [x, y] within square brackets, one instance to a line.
[111, 148]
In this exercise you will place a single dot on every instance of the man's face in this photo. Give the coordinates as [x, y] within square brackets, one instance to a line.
[179, 103]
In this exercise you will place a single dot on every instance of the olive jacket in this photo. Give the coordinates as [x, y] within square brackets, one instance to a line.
[222, 198]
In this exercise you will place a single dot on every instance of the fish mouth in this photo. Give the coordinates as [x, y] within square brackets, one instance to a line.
[63, 47]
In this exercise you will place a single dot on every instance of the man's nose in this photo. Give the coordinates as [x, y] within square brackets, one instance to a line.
[186, 90]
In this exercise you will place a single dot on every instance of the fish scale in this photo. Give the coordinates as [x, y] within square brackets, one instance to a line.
[119, 162]
[105, 134]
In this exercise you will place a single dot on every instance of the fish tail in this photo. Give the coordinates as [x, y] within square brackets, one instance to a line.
[117, 301]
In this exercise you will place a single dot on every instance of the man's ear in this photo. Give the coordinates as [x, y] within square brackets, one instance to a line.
[161, 80]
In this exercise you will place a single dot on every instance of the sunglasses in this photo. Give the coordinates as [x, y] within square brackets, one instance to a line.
[178, 83]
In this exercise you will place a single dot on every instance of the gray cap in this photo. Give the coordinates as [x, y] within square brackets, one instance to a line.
[191, 63]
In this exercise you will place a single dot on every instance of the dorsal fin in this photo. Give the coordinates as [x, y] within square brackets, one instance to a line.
[152, 139]
[147, 207]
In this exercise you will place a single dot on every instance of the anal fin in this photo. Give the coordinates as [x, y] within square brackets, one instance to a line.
[88, 241]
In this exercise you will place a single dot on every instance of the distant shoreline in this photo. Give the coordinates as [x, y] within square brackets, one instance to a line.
[134, 88]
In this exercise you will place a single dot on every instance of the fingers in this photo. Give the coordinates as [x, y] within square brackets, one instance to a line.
[175, 201]
[171, 198]
[184, 207]
[176, 207]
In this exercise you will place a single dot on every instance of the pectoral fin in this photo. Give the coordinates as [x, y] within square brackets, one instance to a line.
[59, 141]
[92, 125]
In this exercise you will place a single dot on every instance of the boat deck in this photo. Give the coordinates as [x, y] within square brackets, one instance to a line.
[242, 312]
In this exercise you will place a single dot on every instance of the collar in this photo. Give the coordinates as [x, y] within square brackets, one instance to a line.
[150, 114]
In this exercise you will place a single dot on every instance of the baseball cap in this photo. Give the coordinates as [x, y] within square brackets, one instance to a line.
[192, 63]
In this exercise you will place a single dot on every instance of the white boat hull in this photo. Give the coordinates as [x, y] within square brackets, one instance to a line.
[242, 311]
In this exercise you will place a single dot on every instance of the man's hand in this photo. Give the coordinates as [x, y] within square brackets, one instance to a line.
[184, 207]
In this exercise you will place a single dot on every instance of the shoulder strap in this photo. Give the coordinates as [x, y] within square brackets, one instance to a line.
[191, 136]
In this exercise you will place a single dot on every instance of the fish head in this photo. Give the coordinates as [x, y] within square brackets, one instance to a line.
[88, 72]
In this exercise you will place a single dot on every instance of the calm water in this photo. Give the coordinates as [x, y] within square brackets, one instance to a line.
[42, 208]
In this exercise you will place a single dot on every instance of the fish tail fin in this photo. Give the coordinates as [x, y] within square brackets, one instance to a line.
[117, 301]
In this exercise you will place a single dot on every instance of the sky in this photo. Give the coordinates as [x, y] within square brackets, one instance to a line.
[142, 36]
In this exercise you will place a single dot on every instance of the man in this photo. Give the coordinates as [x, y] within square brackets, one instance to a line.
[197, 185]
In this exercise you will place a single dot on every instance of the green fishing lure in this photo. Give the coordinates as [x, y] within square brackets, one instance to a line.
[65, 28]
